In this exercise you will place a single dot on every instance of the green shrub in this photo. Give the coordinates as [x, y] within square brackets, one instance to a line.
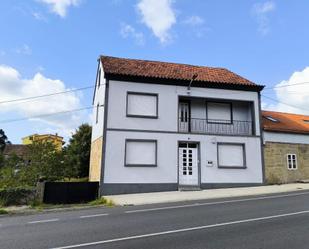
[102, 201]
[3, 211]
[16, 196]
[99, 201]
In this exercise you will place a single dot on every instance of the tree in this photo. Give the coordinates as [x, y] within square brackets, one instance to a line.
[77, 152]
[45, 162]
[3, 140]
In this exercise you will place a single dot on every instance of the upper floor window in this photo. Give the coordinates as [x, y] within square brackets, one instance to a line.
[99, 78]
[97, 113]
[144, 105]
[291, 161]
[272, 119]
[218, 112]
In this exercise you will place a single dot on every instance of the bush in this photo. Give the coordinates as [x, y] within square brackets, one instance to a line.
[3, 211]
[16, 196]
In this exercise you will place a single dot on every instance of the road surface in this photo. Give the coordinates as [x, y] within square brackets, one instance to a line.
[272, 221]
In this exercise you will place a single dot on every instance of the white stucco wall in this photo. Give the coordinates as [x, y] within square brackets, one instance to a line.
[281, 137]
[167, 169]
[97, 128]
[168, 105]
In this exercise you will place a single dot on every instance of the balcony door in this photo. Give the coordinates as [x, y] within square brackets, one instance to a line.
[184, 116]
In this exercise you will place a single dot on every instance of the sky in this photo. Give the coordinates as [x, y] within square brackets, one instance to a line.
[50, 46]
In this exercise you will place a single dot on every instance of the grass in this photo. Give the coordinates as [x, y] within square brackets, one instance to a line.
[102, 201]
[3, 211]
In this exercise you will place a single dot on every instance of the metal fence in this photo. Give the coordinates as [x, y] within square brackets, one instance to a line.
[216, 126]
[70, 192]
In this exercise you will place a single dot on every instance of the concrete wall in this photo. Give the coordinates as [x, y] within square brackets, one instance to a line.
[275, 154]
[97, 129]
[167, 105]
[99, 98]
[280, 137]
[167, 168]
[164, 129]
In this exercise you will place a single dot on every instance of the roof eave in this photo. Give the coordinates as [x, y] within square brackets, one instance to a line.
[181, 82]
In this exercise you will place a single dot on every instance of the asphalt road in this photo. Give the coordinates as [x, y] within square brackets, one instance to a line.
[273, 221]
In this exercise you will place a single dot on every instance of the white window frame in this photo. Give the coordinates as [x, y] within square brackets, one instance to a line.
[132, 115]
[244, 166]
[293, 165]
[143, 164]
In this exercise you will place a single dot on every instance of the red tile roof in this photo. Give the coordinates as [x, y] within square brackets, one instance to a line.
[20, 150]
[286, 122]
[172, 71]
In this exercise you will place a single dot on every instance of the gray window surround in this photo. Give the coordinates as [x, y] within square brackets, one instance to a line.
[99, 78]
[143, 116]
[220, 102]
[232, 167]
[141, 165]
[97, 113]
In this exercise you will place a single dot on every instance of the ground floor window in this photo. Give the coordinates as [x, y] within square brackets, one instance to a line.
[140, 152]
[291, 161]
[231, 155]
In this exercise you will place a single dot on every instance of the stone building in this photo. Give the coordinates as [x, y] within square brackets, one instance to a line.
[286, 147]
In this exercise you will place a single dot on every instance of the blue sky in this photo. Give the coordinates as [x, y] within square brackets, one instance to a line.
[48, 46]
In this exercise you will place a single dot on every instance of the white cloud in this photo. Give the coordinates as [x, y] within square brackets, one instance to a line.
[196, 25]
[127, 31]
[24, 49]
[13, 86]
[60, 7]
[39, 16]
[261, 12]
[194, 20]
[296, 96]
[159, 16]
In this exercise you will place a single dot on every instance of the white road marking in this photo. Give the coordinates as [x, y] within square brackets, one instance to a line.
[92, 215]
[214, 203]
[42, 221]
[182, 230]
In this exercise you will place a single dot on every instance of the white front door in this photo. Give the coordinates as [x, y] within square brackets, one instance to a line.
[188, 165]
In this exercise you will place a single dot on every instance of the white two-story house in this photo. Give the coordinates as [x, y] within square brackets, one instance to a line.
[162, 126]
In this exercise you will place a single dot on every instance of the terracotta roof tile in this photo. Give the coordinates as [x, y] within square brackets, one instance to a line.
[17, 149]
[286, 122]
[175, 71]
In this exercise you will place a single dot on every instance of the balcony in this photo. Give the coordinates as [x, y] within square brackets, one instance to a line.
[216, 126]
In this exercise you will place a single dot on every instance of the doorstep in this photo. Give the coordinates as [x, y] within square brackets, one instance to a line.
[179, 196]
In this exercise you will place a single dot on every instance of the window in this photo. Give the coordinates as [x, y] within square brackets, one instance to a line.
[306, 121]
[231, 155]
[97, 114]
[272, 119]
[219, 112]
[142, 105]
[99, 78]
[291, 161]
[141, 153]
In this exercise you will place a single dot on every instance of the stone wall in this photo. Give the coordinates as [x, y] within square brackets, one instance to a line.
[276, 169]
[95, 159]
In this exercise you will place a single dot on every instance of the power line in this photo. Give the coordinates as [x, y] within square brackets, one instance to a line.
[285, 103]
[44, 95]
[5, 121]
[275, 87]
